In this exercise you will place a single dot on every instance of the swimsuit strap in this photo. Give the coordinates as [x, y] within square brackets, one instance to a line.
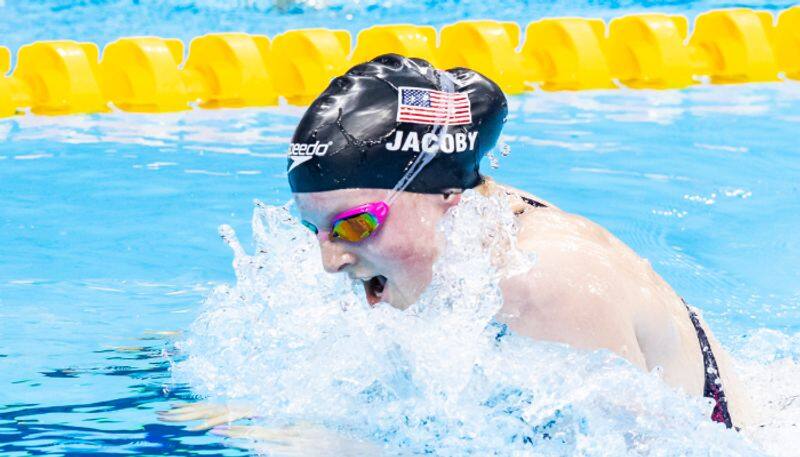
[532, 202]
[713, 381]
[528, 200]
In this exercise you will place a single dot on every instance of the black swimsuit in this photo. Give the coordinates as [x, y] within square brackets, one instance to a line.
[713, 382]
[713, 385]
[532, 202]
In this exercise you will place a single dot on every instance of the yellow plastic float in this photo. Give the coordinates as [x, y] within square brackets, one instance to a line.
[734, 46]
[148, 74]
[567, 53]
[404, 39]
[229, 70]
[488, 47]
[58, 77]
[303, 62]
[787, 42]
[8, 106]
[140, 74]
[648, 51]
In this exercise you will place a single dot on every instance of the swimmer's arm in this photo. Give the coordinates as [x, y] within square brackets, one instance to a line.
[299, 440]
[210, 414]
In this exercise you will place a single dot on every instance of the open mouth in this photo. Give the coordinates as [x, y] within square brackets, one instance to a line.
[373, 288]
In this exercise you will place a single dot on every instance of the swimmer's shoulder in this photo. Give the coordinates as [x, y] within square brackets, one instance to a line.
[520, 200]
[545, 226]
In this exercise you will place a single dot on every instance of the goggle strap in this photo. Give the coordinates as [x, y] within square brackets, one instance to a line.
[448, 83]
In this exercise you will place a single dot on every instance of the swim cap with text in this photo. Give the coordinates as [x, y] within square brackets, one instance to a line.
[368, 126]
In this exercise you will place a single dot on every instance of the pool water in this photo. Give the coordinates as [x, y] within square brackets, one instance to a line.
[110, 222]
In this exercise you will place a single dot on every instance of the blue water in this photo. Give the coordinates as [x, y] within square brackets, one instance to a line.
[109, 223]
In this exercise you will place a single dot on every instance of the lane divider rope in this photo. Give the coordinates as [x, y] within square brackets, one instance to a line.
[230, 70]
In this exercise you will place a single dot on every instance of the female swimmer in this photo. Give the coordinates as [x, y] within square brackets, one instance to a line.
[388, 147]
[375, 163]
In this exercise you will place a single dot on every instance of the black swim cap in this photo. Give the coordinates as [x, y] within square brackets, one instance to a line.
[352, 137]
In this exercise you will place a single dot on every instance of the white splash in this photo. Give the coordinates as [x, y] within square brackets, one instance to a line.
[441, 377]
[768, 363]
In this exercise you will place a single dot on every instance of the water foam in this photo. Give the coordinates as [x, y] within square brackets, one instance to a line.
[440, 377]
[768, 363]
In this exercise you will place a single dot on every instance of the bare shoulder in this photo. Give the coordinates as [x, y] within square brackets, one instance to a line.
[590, 290]
[575, 258]
[578, 257]
[591, 277]
[514, 193]
[571, 295]
[544, 225]
[587, 288]
[581, 259]
[568, 237]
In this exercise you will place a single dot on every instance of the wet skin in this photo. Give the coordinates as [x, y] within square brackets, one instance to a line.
[587, 289]
[401, 252]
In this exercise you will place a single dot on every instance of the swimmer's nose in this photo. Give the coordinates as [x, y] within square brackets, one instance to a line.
[335, 256]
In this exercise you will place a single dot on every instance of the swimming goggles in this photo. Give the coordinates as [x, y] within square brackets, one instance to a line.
[359, 223]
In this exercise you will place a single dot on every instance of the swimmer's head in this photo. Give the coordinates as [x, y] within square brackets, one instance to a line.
[352, 135]
[350, 149]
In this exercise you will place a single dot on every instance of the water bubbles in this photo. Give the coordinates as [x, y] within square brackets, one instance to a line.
[493, 162]
[505, 148]
[441, 377]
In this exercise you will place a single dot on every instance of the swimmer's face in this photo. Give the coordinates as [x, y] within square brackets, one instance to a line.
[401, 252]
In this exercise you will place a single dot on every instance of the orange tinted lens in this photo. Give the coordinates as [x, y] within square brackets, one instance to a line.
[355, 228]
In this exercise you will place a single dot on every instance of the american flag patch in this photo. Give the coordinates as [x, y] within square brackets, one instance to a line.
[426, 106]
